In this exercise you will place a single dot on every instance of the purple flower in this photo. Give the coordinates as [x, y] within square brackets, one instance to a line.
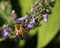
[32, 21]
[46, 17]
[5, 31]
[30, 26]
[21, 19]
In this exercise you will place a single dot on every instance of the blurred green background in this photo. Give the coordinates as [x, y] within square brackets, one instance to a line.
[45, 36]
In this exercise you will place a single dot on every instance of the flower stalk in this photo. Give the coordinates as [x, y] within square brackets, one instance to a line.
[24, 24]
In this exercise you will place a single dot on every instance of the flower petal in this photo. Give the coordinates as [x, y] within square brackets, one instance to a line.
[5, 32]
[46, 17]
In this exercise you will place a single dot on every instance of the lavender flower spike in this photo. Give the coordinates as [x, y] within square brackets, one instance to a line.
[5, 32]
[46, 17]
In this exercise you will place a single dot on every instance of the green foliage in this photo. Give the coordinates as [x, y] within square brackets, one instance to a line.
[5, 11]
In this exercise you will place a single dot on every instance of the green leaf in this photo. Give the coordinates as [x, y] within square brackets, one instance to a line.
[8, 9]
[4, 16]
[48, 30]
[26, 5]
[5, 11]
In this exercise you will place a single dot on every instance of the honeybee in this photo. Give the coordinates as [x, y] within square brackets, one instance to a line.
[19, 30]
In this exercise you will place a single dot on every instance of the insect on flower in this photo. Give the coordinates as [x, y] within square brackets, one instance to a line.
[19, 30]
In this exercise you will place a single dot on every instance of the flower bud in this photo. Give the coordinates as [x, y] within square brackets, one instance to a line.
[32, 21]
[13, 15]
[5, 31]
[22, 19]
[30, 26]
[46, 17]
[33, 8]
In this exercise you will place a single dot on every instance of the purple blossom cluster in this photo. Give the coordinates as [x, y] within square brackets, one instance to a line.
[31, 18]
